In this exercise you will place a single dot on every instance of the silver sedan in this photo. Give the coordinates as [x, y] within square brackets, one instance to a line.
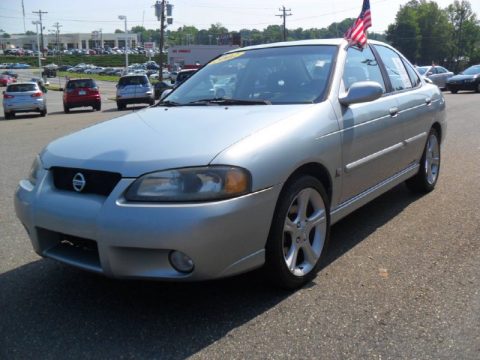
[204, 186]
[438, 74]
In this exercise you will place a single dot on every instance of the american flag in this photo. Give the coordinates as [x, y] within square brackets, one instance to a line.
[357, 33]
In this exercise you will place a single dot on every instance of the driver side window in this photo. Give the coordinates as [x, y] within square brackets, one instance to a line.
[361, 66]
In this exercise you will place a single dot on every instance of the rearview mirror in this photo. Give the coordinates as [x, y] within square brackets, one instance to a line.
[362, 91]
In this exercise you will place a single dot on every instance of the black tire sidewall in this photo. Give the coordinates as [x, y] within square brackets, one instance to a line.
[275, 264]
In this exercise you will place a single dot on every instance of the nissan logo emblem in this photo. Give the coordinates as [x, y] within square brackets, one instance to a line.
[78, 182]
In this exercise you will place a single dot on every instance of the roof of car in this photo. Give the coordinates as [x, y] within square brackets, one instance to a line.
[336, 42]
[24, 83]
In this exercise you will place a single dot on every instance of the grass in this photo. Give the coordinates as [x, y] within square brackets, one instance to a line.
[63, 74]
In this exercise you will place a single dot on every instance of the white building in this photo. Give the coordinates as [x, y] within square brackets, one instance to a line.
[74, 41]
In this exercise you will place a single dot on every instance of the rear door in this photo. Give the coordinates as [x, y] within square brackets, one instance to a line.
[415, 102]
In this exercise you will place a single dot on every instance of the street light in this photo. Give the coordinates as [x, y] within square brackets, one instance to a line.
[123, 17]
[36, 23]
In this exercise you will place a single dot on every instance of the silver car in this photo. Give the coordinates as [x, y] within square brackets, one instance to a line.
[134, 89]
[201, 187]
[438, 74]
[24, 97]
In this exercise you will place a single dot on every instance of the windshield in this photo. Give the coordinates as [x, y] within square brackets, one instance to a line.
[133, 80]
[284, 75]
[84, 83]
[473, 70]
[423, 69]
[21, 87]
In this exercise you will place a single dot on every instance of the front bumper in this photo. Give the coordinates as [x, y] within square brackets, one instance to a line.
[126, 240]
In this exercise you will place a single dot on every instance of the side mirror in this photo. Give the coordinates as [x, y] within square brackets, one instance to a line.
[165, 94]
[429, 73]
[362, 91]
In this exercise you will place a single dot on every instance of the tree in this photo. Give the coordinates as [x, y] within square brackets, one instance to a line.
[466, 32]
[118, 31]
[29, 32]
[421, 32]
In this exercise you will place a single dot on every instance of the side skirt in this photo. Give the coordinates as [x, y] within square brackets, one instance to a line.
[365, 197]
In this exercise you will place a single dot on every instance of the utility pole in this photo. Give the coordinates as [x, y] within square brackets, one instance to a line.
[160, 7]
[57, 26]
[284, 16]
[40, 12]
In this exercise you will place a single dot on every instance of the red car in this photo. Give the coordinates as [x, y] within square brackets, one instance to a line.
[80, 93]
[6, 79]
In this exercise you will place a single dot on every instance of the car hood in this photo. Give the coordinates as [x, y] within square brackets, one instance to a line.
[460, 77]
[162, 138]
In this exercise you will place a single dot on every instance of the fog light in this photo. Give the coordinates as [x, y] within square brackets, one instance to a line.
[181, 262]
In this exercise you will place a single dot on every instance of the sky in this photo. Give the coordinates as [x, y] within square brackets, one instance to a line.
[89, 15]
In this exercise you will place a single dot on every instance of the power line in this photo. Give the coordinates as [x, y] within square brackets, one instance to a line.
[284, 16]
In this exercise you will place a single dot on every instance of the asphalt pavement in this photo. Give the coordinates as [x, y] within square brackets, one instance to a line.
[401, 282]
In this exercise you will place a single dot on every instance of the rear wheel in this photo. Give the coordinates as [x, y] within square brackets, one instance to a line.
[8, 115]
[43, 112]
[299, 233]
[66, 109]
[427, 175]
[151, 102]
[98, 107]
[454, 91]
[120, 105]
[478, 88]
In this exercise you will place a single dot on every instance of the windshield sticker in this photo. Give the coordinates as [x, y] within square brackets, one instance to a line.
[227, 57]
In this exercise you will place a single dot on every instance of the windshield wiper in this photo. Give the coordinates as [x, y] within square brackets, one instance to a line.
[168, 103]
[223, 101]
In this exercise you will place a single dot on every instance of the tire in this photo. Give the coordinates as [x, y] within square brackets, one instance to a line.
[8, 115]
[151, 102]
[426, 178]
[98, 107]
[297, 243]
[477, 89]
[120, 105]
[66, 109]
[43, 113]
[454, 91]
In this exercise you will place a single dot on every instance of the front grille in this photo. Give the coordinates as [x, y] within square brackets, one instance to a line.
[96, 182]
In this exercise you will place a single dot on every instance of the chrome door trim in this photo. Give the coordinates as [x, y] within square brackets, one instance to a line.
[415, 138]
[374, 156]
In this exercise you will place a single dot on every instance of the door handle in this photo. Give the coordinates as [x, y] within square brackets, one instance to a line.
[428, 101]
[393, 111]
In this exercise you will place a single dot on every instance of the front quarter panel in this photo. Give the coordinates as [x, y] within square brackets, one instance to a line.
[274, 153]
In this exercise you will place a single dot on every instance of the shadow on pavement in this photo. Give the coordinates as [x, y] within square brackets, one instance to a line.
[51, 309]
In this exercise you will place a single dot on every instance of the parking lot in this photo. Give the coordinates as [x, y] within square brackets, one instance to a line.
[401, 281]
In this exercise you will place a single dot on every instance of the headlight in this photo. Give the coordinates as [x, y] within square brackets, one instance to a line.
[34, 170]
[191, 184]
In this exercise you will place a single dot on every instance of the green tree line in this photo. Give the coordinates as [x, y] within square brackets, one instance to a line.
[427, 34]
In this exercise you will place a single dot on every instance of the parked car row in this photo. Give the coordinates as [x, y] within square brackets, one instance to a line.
[469, 79]
[14, 66]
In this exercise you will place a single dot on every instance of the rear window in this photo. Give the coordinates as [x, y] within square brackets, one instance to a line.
[21, 87]
[133, 80]
[84, 83]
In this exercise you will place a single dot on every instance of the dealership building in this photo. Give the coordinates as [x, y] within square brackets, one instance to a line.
[87, 41]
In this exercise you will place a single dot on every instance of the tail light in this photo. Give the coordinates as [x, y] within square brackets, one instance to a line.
[6, 96]
[37, 94]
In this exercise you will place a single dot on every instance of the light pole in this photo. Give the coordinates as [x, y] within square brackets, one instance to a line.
[36, 23]
[123, 17]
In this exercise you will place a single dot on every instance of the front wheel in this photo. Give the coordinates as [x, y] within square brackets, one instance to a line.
[299, 233]
[427, 175]
[43, 113]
